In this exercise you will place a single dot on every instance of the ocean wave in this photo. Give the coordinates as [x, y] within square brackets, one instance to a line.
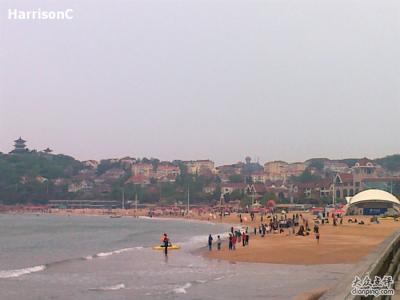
[119, 251]
[203, 239]
[115, 287]
[182, 289]
[19, 272]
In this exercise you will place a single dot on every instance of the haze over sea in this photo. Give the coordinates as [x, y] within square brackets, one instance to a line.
[61, 257]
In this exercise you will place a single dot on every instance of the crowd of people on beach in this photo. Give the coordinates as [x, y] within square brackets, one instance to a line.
[296, 225]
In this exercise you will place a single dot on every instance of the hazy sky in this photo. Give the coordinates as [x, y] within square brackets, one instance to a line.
[197, 79]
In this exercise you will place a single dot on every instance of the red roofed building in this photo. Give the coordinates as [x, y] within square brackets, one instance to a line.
[315, 190]
[167, 172]
[143, 169]
[138, 179]
[344, 185]
[199, 167]
[364, 168]
[229, 187]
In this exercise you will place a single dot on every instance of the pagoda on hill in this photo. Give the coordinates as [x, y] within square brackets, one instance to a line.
[19, 146]
[47, 150]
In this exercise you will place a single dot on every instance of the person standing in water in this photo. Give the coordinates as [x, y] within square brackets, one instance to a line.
[210, 239]
[219, 243]
[165, 243]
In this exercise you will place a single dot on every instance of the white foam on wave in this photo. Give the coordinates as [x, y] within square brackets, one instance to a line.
[203, 239]
[20, 272]
[119, 251]
[182, 289]
[115, 287]
[103, 254]
[201, 281]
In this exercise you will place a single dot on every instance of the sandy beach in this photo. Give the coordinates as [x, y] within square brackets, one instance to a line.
[346, 243]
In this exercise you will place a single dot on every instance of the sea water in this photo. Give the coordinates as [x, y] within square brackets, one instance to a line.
[96, 257]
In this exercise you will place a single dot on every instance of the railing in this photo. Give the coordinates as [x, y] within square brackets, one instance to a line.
[383, 260]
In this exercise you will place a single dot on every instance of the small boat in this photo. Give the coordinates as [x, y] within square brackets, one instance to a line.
[170, 247]
[116, 216]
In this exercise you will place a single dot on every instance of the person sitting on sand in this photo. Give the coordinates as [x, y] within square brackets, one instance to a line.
[301, 231]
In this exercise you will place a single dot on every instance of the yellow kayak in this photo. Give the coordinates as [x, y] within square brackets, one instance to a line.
[172, 247]
[386, 218]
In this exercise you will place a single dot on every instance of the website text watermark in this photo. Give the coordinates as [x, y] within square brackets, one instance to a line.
[39, 14]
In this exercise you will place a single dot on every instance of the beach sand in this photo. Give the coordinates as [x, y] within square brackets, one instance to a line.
[346, 243]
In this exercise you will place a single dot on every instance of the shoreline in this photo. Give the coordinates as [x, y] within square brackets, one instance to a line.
[343, 244]
[346, 243]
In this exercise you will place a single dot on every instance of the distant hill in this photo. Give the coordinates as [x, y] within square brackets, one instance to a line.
[390, 163]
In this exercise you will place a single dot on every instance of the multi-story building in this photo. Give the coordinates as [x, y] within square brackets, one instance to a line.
[127, 162]
[143, 169]
[275, 170]
[229, 187]
[336, 166]
[280, 170]
[344, 186]
[295, 169]
[199, 166]
[258, 177]
[315, 190]
[364, 168]
[167, 172]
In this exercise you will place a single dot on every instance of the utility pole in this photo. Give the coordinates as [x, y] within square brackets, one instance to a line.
[136, 200]
[188, 200]
[220, 205]
[123, 198]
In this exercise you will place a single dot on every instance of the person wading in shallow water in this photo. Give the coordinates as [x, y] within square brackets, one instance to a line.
[165, 242]
[210, 240]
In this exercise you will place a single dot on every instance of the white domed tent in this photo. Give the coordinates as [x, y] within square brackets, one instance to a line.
[373, 202]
